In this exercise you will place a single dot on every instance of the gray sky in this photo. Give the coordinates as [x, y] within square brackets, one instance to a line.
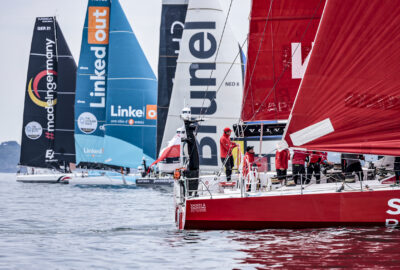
[17, 18]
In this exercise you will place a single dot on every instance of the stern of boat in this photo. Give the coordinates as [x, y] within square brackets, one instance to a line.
[180, 204]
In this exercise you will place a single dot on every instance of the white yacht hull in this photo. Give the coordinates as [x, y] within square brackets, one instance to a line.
[51, 178]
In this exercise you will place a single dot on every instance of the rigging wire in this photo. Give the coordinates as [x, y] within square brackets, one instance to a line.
[215, 59]
[258, 51]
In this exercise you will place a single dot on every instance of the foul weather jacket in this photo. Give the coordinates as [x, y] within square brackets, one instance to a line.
[299, 157]
[226, 146]
[282, 159]
[247, 163]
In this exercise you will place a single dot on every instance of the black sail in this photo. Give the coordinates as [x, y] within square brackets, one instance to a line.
[40, 125]
[172, 22]
[64, 144]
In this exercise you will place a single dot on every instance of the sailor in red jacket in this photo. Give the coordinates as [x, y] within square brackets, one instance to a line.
[248, 160]
[313, 166]
[298, 160]
[226, 147]
[282, 157]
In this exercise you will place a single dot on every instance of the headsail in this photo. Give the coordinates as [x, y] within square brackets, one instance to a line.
[38, 132]
[349, 98]
[280, 40]
[64, 144]
[131, 110]
[208, 78]
[91, 85]
[172, 22]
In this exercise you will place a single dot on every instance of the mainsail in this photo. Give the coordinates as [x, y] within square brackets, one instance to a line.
[131, 110]
[349, 98]
[45, 123]
[91, 85]
[172, 22]
[279, 43]
[208, 79]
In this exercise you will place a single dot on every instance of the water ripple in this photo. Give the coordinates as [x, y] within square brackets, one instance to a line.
[66, 227]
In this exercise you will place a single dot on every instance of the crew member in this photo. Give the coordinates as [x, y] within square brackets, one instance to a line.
[351, 163]
[298, 160]
[248, 160]
[193, 167]
[282, 157]
[226, 147]
[313, 166]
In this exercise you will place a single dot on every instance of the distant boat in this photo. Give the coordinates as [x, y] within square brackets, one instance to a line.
[115, 107]
[47, 146]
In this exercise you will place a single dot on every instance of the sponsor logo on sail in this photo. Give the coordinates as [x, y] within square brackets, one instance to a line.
[151, 112]
[119, 111]
[131, 112]
[203, 45]
[98, 151]
[49, 100]
[98, 25]
[33, 130]
[98, 34]
[99, 86]
[87, 122]
[33, 90]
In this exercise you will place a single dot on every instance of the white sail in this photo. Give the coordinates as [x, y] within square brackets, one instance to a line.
[208, 79]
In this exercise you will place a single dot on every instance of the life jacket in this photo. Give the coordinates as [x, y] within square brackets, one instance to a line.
[248, 161]
[282, 159]
[299, 157]
[316, 157]
[226, 146]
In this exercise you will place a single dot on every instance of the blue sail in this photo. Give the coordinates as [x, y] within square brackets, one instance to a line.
[90, 103]
[131, 110]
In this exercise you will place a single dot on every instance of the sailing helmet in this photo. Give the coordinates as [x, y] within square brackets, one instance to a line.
[180, 131]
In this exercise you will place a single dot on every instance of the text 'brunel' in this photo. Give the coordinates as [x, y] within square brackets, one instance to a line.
[203, 45]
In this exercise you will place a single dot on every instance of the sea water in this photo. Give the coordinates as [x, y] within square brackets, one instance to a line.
[54, 226]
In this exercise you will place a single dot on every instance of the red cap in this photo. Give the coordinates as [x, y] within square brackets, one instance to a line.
[227, 129]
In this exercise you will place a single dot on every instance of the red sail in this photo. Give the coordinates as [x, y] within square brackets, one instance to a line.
[349, 99]
[280, 39]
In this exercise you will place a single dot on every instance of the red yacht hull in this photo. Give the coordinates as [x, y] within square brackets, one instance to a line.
[368, 208]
